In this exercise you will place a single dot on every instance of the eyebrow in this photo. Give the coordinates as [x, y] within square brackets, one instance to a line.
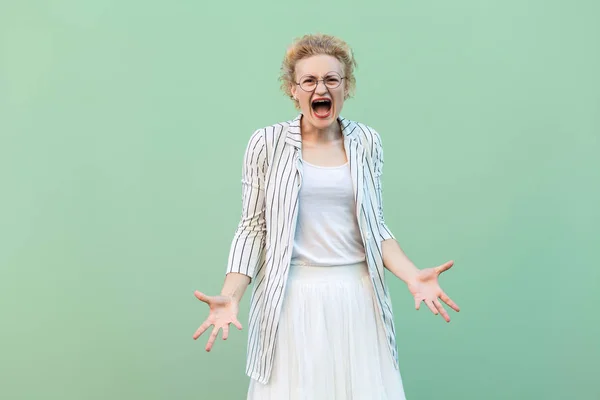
[327, 74]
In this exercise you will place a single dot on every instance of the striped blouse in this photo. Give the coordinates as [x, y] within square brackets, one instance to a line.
[263, 242]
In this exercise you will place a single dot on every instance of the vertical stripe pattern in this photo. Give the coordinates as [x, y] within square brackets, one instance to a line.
[263, 241]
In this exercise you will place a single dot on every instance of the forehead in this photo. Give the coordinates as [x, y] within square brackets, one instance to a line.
[318, 65]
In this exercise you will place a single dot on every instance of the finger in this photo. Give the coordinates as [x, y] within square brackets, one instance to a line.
[444, 267]
[431, 306]
[225, 331]
[212, 338]
[201, 330]
[417, 303]
[450, 303]
[201, 296]
[442, 311]
[237, 324]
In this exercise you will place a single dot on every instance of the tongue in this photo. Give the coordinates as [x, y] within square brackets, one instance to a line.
[322, 109]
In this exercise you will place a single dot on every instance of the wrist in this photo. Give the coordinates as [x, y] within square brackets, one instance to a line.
[410, 276]
[230, 296]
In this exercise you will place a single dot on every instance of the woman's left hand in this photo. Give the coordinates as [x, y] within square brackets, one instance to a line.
[425, 287]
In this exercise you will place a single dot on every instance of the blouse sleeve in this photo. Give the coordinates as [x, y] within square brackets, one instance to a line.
[384, 230]
[248, 244]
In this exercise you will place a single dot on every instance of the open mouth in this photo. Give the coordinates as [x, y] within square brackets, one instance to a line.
[321, 107]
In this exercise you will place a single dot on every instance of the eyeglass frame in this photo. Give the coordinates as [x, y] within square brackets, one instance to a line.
[321, 80]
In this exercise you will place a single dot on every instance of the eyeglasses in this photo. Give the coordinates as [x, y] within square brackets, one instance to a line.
[309, 83]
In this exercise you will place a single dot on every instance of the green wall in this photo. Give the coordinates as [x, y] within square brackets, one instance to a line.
[122, 131]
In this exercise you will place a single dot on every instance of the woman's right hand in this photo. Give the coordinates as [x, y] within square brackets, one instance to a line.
[223, 311]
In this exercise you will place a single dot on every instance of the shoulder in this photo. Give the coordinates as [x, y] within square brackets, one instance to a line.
[271, 134]
[264, 141]
[368, 136]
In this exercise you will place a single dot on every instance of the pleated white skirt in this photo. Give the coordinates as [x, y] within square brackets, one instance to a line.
[331, 343]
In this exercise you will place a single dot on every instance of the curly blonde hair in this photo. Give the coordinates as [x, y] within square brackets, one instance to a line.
[311, 45]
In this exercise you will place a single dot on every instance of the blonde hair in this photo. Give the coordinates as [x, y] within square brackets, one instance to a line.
[316, 44]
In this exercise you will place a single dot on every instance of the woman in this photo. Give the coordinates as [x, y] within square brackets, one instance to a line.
[313, 238]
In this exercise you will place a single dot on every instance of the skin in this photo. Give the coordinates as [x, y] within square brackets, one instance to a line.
[322, 140]
[322, 144]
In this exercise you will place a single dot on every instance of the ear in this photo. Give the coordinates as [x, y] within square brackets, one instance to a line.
[293, 89]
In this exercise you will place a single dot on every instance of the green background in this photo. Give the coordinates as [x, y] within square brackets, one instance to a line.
[123, 126]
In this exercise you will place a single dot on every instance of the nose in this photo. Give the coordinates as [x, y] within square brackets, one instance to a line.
[321, 84]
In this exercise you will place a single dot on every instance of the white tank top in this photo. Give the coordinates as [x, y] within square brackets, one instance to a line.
[327, 232]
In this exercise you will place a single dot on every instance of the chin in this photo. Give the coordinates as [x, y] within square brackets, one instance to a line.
[323, 122]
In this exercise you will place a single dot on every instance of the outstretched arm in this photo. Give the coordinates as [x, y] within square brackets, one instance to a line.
[247, 247]
[423, 284]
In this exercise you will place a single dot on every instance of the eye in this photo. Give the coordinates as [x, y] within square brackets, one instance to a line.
[308, 80]
[332, 80]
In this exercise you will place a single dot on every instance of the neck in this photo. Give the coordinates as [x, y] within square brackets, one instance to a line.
[310, 133]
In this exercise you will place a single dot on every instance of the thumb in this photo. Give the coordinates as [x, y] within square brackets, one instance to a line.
[202, 297]
[445, 266]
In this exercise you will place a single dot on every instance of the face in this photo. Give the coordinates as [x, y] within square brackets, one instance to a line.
[322, 105]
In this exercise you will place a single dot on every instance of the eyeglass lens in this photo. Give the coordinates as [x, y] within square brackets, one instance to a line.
[331, 81]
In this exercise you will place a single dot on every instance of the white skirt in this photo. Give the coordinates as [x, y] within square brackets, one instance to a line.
[331, 343]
